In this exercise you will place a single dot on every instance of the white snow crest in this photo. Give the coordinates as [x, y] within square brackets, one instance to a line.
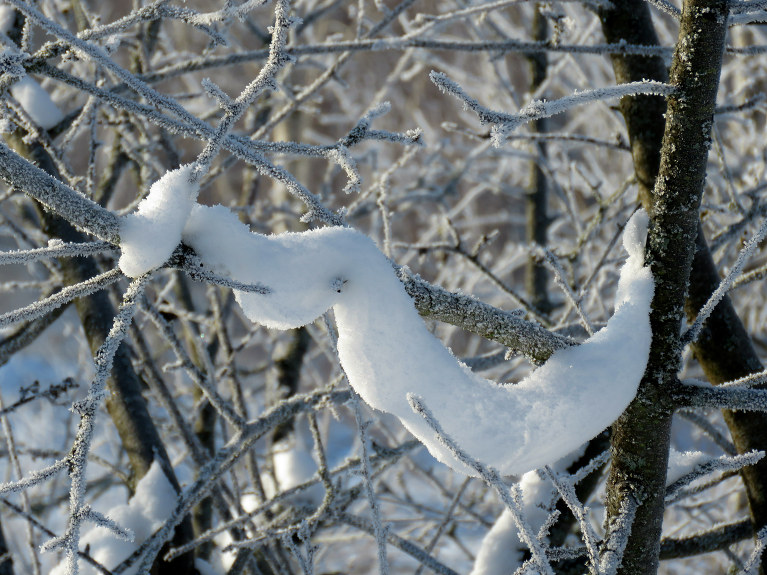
[152, 503]
[387, 352]
[149, 235]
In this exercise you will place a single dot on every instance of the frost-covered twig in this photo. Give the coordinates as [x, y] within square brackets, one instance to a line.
[380, 530]
[408, 547]
[739, 398]
[724, 286]
[194, 267]
[510, 497]
[42, 307]
[264, 80]
[705, 541]
[428, 21]
[754, 561]
[350, 465]
[504, 123]
[464, 311]
[676, 492]
[225, 458]
[43, 529]
[33, 478]
[203, 380]
[567, 491]
[747, 381]
[618, 531]
[667, 7]
[376, 44]
[87, 408]
[68, 203]
[559, 276]
[55, 250]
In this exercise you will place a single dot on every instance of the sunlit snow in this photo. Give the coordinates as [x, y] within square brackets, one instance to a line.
[387, 352]
[149, 235]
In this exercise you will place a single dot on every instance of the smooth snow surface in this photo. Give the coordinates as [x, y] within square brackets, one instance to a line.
[149, 235]
[154, 501]
[387, 352]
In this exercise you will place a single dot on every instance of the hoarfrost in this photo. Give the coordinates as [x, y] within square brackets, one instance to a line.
[150, 506]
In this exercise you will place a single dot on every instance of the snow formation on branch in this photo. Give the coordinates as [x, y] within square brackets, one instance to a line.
[149, 235]
[384, 346]
[387, 352]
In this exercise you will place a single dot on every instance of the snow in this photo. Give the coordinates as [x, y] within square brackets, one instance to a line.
[502, 551]
[294, 464]
[387, 352]
[152, 503]
[37, 103]
[149, 235]
[680, 463]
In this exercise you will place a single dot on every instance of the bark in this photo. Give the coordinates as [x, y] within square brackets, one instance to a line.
[641, 435]
[288, 367]
[724, 348]
[536, 276]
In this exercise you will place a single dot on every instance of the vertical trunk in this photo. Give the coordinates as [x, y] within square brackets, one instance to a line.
[723, 349]
[641, 436]
[535, 200]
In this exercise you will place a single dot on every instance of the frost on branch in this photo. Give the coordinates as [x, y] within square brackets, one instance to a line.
[387, 352]
[151, 504]
[150, 234]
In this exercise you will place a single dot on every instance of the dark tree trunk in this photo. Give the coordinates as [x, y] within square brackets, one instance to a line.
[641, 435]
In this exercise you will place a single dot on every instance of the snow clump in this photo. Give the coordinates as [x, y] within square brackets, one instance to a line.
[149, 235]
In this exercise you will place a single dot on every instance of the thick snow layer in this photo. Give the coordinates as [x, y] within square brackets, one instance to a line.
[387, 352]
[153, 502]
[149, 235]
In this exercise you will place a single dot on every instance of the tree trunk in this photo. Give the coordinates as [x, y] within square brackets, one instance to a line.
[535, 199]
[641, 435]
[724, 349]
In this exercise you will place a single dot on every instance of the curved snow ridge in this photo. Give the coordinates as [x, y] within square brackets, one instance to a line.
[387, 352]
